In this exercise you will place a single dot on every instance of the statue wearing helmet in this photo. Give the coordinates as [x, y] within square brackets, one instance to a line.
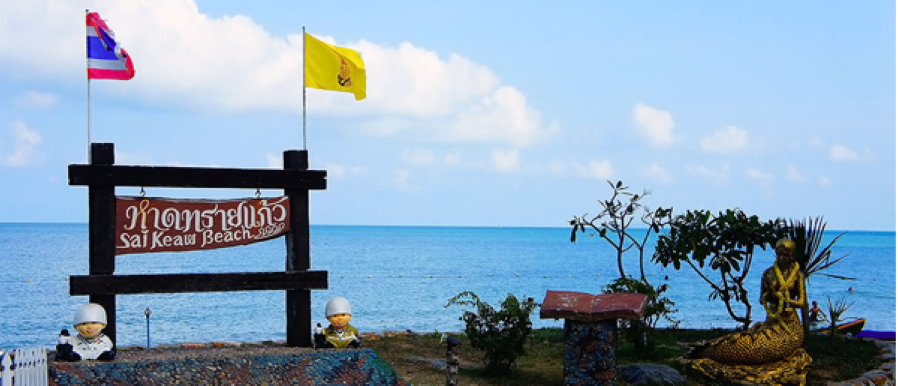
[339, 334]
[91, 343]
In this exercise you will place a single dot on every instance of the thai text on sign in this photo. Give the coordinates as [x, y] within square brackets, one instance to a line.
[144, 225]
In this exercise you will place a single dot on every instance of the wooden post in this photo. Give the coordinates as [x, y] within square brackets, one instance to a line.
[101, 231]
[451, 365]
[299, 301]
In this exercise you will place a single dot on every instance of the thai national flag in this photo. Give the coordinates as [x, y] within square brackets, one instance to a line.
[106, 59]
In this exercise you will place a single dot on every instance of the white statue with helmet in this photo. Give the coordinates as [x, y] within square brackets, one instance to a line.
[340, 333]
[91, 343]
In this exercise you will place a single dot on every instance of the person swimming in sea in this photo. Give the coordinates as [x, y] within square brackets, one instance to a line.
[815, 313]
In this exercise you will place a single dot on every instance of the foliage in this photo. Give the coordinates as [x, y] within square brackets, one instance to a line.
[499, 334]
[811, 259]
[834, 316]
[616, 216]
[807, 238]
[725, 243]
[657, 307]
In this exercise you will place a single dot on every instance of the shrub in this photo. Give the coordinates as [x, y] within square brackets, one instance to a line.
[657, 307]
[501, 334]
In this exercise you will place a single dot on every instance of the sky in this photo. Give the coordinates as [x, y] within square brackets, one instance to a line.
[500, 113]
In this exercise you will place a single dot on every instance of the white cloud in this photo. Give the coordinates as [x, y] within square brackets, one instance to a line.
[358, 171]
[124, 158]
[36, 99]
[340, 171]
[402, 180]
[25, 140]
[593, 169]
[409, 80]
[502, 117]
[335, 171]
[452, 158]
[842, 153]
[427, 157]
[718, 175]
[420, 157]
[815, 142]
[274, 162]
[759, 175]
[505, 160]
[824, 181]
[187, 59]
[658, 173]
[656, 125]
[599, 170]
[729, 139]
[558, 167]
[792, 174]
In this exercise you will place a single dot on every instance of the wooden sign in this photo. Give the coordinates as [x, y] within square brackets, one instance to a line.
[146, 225]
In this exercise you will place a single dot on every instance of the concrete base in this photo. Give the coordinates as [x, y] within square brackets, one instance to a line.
[310, 367]
[589, 352]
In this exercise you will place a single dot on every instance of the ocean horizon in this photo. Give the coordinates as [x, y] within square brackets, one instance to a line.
[397, 277]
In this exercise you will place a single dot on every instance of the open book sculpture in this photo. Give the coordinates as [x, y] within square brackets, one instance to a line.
[586, 308]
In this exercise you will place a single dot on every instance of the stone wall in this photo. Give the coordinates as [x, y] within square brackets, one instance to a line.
[222, 366]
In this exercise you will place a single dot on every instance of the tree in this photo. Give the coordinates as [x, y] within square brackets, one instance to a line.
[611, 224]
[616, 216]
[727, 243]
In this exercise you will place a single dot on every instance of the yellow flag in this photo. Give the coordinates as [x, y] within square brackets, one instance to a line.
[334, 68]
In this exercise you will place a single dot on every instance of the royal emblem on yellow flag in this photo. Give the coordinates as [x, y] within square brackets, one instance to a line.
[334, 68]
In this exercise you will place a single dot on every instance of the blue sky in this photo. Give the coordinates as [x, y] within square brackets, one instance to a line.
[478, 113]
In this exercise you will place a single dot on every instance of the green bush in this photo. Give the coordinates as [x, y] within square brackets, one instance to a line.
[657, 307]
[501, 334]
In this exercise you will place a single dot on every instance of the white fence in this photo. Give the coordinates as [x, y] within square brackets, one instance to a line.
[29, 368]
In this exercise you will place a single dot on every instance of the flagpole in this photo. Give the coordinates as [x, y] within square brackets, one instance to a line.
[87, 65]
[304, 88]
[88, 120]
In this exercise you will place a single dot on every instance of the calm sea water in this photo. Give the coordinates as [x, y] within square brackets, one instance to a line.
[397, 278]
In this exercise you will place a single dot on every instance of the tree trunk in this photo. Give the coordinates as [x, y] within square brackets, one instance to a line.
[620, 264]
[641, 269]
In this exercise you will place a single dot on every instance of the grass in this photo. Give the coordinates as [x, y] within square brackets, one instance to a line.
[543, 363]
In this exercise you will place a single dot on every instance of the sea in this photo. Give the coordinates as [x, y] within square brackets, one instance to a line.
[397, 278]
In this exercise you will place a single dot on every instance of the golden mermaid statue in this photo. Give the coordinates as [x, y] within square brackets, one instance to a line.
[778, 339]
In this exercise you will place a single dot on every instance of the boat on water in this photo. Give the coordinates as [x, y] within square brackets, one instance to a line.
[852, 327]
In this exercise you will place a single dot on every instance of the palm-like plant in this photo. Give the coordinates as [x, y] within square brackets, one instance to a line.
[807, 238]
[811, 259]
[834, 315]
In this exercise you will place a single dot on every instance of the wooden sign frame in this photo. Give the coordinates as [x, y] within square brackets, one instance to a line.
[102, 176]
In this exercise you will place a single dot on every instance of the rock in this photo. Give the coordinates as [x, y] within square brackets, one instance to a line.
[644, 374]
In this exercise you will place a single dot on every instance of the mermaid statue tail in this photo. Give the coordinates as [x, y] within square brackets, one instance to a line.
[766, 342]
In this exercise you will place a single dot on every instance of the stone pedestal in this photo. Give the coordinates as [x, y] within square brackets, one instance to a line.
[590, 331]
[589, 352]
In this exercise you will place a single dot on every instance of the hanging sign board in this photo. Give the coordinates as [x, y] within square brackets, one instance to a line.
[146, 225]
